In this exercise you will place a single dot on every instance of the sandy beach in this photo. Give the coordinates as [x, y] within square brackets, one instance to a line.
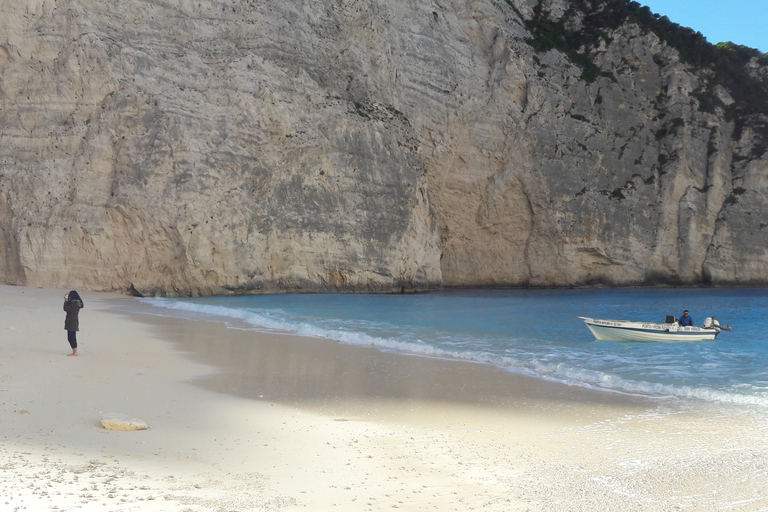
[244, 421]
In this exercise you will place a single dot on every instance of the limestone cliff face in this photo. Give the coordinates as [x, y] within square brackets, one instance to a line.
[178, 147]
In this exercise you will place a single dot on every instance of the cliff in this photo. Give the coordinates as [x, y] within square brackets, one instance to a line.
[182, 147]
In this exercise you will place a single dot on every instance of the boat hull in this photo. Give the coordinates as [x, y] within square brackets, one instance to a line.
[623, 330]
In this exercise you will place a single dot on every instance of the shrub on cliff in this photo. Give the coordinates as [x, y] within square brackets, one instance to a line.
[724, 64]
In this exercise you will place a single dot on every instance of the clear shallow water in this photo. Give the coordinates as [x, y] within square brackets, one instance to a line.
[532, 331]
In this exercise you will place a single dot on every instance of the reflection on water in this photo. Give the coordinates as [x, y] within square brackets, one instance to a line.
[294, 370]
[533, 331]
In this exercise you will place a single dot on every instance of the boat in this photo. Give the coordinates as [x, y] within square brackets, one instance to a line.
[669, 331]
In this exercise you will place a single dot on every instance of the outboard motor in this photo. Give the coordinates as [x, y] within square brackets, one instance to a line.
[712, 323]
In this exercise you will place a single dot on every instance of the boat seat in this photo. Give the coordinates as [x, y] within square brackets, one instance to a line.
[670, 319]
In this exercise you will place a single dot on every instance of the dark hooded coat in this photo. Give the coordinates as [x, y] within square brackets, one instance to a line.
[73, 306]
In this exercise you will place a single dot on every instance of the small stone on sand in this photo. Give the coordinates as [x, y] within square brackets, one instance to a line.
[122, 422]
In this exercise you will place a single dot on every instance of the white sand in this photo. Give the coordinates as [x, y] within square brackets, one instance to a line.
[204, 450]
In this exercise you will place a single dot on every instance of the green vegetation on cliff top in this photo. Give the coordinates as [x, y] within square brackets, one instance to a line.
[724, 64]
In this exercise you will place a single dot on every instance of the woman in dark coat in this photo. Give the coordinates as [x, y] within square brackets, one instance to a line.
[72, 305]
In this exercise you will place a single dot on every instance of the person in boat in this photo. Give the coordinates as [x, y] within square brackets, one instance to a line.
[686, 320]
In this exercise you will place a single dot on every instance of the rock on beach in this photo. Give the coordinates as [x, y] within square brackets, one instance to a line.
[122, 422]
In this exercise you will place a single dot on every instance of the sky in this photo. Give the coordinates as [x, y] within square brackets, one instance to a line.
[740, 21]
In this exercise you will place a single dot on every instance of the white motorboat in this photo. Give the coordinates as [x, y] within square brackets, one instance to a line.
[669, 331]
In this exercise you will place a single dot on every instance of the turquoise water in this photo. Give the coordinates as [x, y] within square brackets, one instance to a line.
[536, 332]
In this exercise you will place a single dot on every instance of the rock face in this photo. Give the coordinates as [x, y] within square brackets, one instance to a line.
[175, 147]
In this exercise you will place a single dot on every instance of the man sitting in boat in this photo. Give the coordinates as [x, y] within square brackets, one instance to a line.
[686, 320]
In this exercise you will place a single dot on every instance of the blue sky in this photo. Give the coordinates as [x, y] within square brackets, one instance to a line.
[741, 21]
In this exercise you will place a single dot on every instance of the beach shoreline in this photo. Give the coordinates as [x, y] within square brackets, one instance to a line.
[254, 421]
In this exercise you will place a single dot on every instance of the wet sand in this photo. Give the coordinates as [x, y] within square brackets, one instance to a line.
[254, 421]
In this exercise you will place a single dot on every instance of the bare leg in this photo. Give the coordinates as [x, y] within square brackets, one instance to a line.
[74, 352]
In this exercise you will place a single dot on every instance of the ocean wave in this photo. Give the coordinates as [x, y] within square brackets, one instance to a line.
[548, 366]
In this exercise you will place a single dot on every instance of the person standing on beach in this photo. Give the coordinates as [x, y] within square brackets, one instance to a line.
[72, 305]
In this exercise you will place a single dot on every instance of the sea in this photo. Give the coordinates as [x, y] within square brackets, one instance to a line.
[533, 332]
